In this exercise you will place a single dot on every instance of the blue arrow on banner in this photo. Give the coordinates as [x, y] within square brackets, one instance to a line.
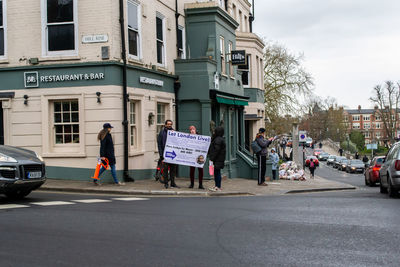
[171, 155]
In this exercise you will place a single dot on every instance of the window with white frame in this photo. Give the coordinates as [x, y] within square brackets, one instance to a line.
[367, 141]
[356, 117]
[66, 121]
[367, 125]
[222, 54]
[377, 125]
[346, 119]
[393, 117]
[181, 42]
[160, 39]
[356, 125]
[261, 74]
[367, 134]
[134, 38]
[133, 123]
[161, 115]
[3, 32]
[366, 117]
[377, 118]
[60, 26]
[230, 47]
[234, 11]
[245, 69]
[240, 21]
[378, 134]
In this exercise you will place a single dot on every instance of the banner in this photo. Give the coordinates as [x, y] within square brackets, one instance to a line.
[186, 149]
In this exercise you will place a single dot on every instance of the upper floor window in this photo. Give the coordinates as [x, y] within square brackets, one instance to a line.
[366, 117]
[160, 39]
[356, 117]
[367, 125]
[367, 134]
[378, 134]
[377, 118]
[60, 27]
[245, 69]
[230, 47]
[356, 125]
[240, 20]
[222, 54]
[133, 29]
[346, 119]
[234, 11]
[2, 28]
[393, 117]
[181, 42]
[377, 125]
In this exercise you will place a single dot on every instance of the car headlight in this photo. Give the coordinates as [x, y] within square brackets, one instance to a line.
[353, 168]
[39, 157]
[5, 158]
[343, 166]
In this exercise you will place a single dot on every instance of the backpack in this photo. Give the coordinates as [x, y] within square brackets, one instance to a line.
[255, 147]
[312, 164]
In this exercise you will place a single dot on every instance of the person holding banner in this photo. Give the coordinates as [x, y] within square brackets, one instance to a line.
[217, 156]
[192, 130]
[161, 142]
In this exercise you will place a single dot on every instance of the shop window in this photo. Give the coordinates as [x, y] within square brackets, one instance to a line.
[133, 29]
[222, 54]
[60, 26]
[181, 42]
[230, 60]
[3, 40]
[161, 115]
[133, 123]
[66, 122]
[245, 69]
[160, 39]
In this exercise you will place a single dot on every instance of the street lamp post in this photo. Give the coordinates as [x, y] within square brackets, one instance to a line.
[348, 141]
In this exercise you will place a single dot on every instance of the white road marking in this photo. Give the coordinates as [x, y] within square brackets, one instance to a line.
[12, 206]
[92, 200]
[52, 203]
[130, 198]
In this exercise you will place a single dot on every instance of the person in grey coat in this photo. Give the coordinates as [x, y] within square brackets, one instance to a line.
[273, 157]
[262, 155]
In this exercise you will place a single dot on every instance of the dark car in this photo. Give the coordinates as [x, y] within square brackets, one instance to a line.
[372, 171]
[355, 165]
[343, 164]
[21, 171]
[323, 156]
[390, 172]
[331, 160]
[336, 163]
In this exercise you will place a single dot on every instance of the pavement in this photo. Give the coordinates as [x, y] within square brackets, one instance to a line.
[230, 187]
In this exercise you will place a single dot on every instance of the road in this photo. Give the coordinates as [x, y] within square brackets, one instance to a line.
[356, 228]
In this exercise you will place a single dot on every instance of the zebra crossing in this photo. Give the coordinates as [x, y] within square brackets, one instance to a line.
[68, 202]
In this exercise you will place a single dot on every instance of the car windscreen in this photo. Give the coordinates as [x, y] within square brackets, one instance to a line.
[356, 162]
[379, 160]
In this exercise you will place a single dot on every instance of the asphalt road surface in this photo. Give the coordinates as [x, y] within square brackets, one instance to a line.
[357, 228]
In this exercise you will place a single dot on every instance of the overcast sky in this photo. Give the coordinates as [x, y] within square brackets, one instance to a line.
[349, 45]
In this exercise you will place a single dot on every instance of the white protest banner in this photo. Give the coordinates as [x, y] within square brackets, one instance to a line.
[186, 149]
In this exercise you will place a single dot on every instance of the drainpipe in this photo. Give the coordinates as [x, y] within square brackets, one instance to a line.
[125, 98]
[251, 18]
[177, 83]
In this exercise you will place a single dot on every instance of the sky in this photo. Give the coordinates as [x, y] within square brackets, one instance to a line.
[349, 46]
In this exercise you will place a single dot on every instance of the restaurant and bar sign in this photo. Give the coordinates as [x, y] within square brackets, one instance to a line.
[32, 79]
[238, 57]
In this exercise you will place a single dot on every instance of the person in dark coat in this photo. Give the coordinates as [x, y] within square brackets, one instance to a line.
[107, 151]
[193, 130]
[311, 167]
[356, 155]
[161, 142]
[340, 151]
[216, 154]
[262, 155]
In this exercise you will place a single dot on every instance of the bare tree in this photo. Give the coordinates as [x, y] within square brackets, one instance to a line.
[387, 98]
[286, 82]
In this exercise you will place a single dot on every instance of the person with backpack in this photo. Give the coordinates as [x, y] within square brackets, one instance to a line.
[216, 154]
[312, 167]
[262, 155]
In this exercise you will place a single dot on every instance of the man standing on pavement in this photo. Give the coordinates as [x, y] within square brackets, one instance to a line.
[262, 155]
[161, 142]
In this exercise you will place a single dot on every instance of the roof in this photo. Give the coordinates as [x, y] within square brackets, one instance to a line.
[360, 111]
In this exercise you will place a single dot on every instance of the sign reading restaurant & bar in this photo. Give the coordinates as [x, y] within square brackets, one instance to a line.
[32, 79]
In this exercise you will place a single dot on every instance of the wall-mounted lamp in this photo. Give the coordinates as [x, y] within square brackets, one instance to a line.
[26, 99]
[98, 97]
[151, 118]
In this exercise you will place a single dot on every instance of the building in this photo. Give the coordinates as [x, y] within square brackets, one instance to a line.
[64, 71]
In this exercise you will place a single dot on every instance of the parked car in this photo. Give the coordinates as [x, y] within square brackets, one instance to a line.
[331, 160]
[21, 171]
[390, 172]
[372, 171]
[343, 164]
[316, 162]
[309, 141]
[317, 151]
[323, 156]
[336, 163]
[355, 165]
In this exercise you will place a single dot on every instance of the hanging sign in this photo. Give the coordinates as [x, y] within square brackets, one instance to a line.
[238, 57]
[186, 149]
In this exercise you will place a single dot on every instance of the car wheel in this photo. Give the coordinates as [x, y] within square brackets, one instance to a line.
[18, 194]
[391, 191]
[382, 189]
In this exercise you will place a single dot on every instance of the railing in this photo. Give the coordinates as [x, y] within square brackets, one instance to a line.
[247, 153]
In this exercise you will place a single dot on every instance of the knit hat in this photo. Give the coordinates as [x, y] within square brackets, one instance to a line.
[261, 130]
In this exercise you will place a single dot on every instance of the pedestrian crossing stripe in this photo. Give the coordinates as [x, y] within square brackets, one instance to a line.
[130, 198]
[87, 201]
[12, 206]
[52, 203]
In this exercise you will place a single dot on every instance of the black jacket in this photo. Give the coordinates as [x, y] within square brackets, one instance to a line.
[217, 149]
[162, 140]
[107, 149]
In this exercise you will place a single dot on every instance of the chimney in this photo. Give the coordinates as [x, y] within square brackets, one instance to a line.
[375, 107]
[359, 107]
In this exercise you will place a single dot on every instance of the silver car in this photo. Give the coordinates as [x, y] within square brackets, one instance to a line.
[21, 171]
[390, 172]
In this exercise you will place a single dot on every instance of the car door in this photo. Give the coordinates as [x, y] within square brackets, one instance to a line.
[368, 171]
[386, 165]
